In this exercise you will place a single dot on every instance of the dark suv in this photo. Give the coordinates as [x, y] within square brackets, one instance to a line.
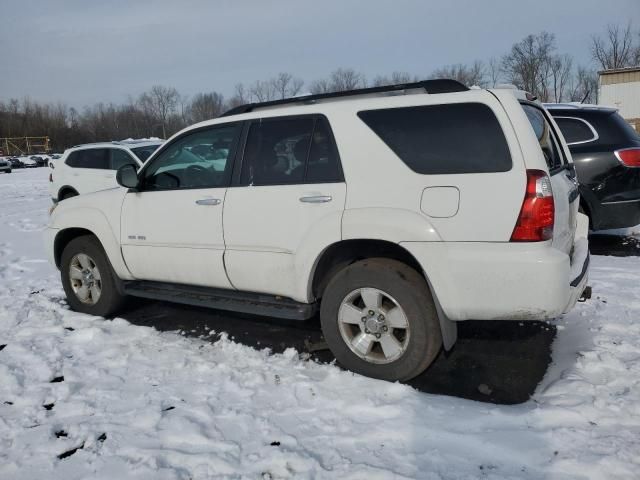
[606, 155]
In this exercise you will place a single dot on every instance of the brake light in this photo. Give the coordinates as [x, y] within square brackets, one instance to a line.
[51, 177]
[535, 222]
[629, 157]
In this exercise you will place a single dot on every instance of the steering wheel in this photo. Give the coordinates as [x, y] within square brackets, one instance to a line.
[194, 174]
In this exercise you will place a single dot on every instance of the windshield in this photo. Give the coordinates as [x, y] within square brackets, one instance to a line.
[145, 152]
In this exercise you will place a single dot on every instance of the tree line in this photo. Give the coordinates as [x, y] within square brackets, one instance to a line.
[532, 64]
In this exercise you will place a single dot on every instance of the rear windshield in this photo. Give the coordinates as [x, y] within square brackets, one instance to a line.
[544, 133]
[443, 139]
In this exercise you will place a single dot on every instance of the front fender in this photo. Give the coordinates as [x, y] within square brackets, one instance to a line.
[95, 221]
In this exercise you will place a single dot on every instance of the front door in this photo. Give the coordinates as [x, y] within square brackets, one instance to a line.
[172, 227]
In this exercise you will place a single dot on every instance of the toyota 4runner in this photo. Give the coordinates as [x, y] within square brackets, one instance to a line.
[395, 212]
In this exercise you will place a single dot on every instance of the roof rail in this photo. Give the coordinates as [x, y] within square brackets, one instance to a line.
[440, 85]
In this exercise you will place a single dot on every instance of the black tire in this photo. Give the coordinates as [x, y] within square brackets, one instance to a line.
[110, 300]
[9, 171]
[68, 194]
[410, 291]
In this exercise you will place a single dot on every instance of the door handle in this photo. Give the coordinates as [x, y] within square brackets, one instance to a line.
[316, 199]
[208, 201]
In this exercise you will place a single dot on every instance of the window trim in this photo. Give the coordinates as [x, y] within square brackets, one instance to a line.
[237, 172]
[593, 130]
[566, 165]
[233, 153]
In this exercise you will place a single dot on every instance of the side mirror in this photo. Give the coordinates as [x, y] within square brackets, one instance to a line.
[127, 176]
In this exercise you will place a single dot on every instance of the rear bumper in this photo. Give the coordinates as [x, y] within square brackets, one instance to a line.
[503, 281]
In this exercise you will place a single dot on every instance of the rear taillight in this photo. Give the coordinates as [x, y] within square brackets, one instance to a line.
[535, 222]
[629, 157]
[51, 177]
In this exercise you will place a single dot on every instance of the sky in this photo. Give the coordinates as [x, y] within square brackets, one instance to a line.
[81, 52]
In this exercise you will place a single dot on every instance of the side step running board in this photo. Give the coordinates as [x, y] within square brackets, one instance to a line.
[245, 302]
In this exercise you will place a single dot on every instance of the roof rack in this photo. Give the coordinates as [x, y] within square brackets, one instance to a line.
[440, 85]
[577, 105]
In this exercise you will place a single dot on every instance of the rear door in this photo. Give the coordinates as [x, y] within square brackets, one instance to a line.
[562, 172]
[289, 195]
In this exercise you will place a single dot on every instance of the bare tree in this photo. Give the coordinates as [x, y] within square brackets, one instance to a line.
[494, 71]
[320, 86]
[583, 86]
[615, 49]
[394, 79]
[205, 106]
[469, 75]
[344, 79]
[159, 103]
[263, 90]
[340, 80]
[560, 69]
[286, 85]
[527, 64]
[240, 96]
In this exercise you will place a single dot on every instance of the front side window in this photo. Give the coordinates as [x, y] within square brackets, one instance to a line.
[544, 134]
[202, 159]
[94, 158]
[443, 139]
[120, 158]
[575, 130]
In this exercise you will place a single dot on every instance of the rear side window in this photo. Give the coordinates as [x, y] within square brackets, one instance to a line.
[575, 130]
[290, 150]
[544, 133]
[97, 158]
[443, 139]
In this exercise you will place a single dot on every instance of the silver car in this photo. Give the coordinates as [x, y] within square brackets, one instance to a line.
[5, 166]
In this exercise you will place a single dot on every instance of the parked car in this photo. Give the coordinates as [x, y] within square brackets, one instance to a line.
[41, 161]
[394, 211]
[28, 162]
[606, 154]
[92, 167]
[5, 165]
[15, 162]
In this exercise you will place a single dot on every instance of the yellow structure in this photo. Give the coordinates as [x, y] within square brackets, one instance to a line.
[24, 145]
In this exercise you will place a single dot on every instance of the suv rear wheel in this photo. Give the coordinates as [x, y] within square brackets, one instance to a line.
[379, 319]
[87, 278]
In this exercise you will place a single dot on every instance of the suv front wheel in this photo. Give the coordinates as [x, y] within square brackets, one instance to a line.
[379, 319]
[87, 278]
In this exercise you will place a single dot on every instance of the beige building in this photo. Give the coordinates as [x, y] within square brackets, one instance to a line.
[620, 88]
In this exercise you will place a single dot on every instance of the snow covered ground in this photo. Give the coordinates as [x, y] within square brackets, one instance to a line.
[137, 403]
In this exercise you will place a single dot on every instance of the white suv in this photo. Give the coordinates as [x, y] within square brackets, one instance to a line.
[396, 212]
[92, 167]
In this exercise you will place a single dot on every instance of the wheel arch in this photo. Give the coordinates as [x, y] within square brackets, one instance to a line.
[345, 252]
[64, 237]
[65, 189]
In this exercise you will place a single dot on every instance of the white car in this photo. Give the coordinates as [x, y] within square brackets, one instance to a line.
[395, 212]
[92, 167]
